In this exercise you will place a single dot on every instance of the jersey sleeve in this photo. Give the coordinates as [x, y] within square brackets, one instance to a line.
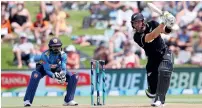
[63, 62]
[46, 66]
[154, 24]
[140, 40]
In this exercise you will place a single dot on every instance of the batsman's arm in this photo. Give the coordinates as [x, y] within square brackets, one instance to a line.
[155, 33]
[46, 65]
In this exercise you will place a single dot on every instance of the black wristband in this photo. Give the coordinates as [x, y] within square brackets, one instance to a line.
[167, 29]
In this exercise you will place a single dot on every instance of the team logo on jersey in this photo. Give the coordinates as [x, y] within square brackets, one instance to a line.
[149, 73]
[36, 75]
[55, 40]
[41, 62]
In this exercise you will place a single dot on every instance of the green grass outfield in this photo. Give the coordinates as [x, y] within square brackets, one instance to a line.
[17, 102]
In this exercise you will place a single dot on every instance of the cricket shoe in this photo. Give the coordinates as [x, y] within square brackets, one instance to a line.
[27, 103]
[70, 103]
[157, 104]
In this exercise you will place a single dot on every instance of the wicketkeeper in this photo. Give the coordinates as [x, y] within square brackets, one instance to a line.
[160, 59]
[53, 64]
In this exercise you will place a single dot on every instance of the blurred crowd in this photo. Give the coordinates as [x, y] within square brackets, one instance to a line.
[116, 46]
[29, 37]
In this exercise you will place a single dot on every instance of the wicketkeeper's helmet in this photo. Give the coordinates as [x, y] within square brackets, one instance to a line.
[55, 45]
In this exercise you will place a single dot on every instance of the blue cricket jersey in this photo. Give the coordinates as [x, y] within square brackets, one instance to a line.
[50, 60]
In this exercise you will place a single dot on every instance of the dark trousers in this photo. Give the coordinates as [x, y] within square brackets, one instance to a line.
[153, 66]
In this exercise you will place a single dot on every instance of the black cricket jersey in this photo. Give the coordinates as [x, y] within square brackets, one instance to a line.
[154, 48]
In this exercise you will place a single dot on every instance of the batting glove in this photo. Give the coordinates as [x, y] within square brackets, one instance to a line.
[162, 20]
[169, 19]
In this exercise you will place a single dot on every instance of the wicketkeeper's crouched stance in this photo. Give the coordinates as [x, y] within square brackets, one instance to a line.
[160, 59]
[53, 64]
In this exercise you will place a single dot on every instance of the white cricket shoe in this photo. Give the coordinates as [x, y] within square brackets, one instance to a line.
[27, 103]
[70, 103]
[157, 104]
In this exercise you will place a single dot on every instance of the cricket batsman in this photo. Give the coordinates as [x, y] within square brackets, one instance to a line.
[53, 64]
[160, 59]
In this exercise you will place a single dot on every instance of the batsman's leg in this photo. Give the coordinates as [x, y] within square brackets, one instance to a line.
[72, 80]
[152, 77]
[31, 88]
[165, 71]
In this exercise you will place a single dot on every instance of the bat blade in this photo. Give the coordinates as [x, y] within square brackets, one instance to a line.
[160, 12]
[154, 8]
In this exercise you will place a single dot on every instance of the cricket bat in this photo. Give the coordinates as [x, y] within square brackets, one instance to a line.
[154, 8]
[160, 12]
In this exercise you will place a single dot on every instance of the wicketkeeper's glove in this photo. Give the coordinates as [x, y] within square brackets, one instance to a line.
[60, 77]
